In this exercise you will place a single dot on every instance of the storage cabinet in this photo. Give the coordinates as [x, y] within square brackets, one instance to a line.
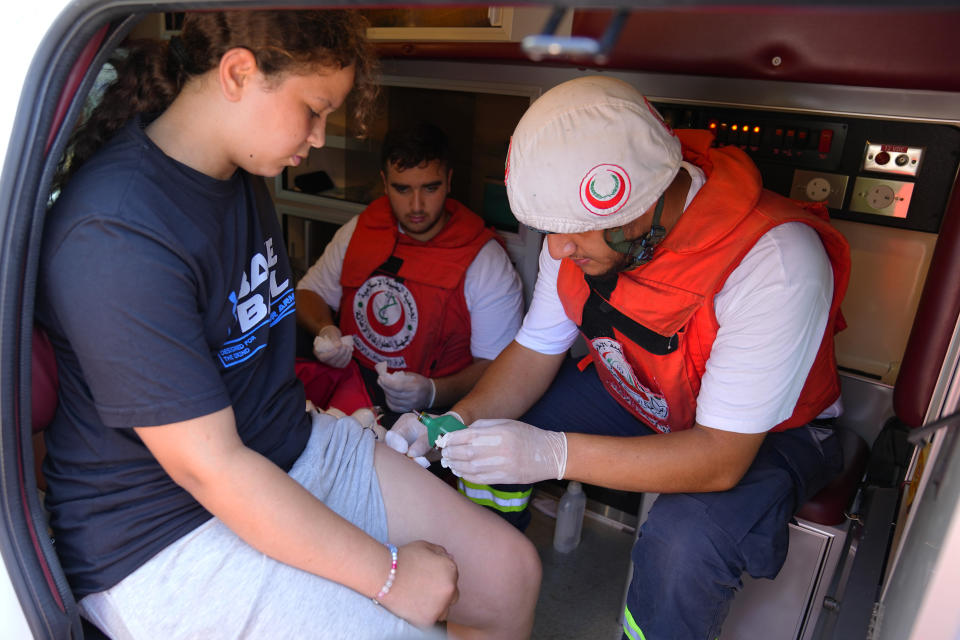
[461, 24]
[443, 24]
[338, 180]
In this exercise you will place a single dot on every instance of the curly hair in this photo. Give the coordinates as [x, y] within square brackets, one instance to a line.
[150, 73]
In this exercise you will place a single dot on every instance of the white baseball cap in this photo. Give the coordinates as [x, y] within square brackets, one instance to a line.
[590, 153]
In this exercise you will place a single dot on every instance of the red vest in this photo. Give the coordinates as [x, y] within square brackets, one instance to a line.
[403, 299]
[671, 297]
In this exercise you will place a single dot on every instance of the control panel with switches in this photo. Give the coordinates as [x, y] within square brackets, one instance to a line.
[901, 171]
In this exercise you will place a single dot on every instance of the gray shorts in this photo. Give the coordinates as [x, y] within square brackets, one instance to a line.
[211, 584]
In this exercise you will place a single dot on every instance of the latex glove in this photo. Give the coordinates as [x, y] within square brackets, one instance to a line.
[408, 435]
[405, 390]
[332, 348]
[504, 452]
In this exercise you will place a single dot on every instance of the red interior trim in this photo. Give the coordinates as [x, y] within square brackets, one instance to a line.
[893, 48]
[900, 48]
[36, 358]
[77, 72]
[934, 323]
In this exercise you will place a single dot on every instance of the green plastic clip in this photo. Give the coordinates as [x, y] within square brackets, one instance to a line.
[438, 425]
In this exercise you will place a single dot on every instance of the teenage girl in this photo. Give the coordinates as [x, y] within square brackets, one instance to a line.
[190, 494]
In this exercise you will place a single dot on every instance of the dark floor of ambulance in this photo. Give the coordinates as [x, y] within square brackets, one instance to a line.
[582, 593]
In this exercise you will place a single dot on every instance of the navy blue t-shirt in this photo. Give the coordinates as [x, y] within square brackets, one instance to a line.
[167, 295]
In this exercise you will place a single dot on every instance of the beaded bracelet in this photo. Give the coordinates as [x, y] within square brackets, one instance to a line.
[390, 578]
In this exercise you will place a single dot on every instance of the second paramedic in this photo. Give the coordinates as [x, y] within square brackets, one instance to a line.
[419, 281]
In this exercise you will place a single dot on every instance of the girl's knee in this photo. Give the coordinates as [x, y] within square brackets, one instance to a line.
[529, 567]
[519, 562]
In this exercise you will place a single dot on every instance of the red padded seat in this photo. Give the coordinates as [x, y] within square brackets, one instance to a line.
[44, 381]
[828, 506]
[43, 397]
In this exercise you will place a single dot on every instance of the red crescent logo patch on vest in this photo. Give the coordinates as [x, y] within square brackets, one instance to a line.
[385, 313]
[627, 386]
[605, 189]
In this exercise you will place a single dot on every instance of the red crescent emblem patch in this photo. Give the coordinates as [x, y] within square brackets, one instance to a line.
[605, 189]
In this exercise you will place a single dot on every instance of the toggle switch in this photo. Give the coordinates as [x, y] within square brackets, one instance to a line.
[826, 141]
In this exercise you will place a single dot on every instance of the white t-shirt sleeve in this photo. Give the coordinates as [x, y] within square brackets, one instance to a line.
[323, 278]
[772, 312]
[494, 299]
[546, 328]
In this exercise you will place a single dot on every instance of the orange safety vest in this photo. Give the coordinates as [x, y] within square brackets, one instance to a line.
[403, 299]
[650, 330]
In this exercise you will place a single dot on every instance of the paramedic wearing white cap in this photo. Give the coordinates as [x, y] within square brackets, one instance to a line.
[709, 307]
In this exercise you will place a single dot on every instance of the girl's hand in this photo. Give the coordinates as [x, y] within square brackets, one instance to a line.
[426, 584]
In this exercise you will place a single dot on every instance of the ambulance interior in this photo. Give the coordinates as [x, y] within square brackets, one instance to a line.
[850, 105]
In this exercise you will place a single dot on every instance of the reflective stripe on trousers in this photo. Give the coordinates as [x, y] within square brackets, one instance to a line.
[630, 627]
[487, 496]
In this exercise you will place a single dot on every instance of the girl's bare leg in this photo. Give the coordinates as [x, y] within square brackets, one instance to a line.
[499, 567]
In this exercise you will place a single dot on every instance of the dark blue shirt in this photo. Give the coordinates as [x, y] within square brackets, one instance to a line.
[167, 295]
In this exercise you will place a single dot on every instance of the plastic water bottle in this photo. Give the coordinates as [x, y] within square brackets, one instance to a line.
[566, 534]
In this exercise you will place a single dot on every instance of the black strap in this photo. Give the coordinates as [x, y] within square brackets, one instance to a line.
[391, 267]
[600, 318]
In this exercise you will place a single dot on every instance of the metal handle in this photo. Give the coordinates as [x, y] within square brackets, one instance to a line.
[548, 45]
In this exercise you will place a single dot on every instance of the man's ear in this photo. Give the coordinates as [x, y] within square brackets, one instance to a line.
[236, 70]
[383, 177]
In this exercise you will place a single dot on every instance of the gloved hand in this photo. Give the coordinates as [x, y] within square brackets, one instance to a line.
[405, 390]
[368, 420]
[332, 348]
[408, 435]
[504, 452]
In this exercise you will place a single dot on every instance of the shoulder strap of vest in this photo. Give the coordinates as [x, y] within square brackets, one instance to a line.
[391, 266]
[373, 242]
[600, 318]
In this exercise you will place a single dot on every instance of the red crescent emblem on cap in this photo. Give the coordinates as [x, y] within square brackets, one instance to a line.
[610, 196]
[609, 201]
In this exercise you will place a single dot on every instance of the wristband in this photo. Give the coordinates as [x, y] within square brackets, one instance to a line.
[390, 578]
[433, 393]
